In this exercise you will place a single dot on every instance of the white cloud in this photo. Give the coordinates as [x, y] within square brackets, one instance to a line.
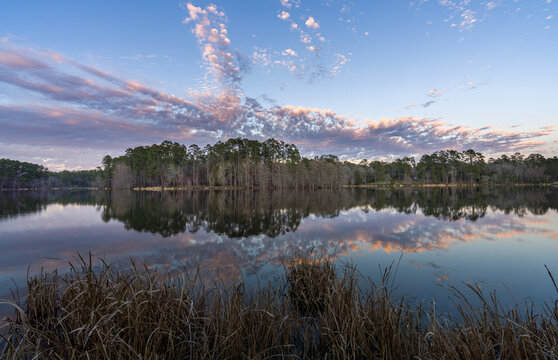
[311, 23]
[194, 12]
[289, 52]
[284, 15]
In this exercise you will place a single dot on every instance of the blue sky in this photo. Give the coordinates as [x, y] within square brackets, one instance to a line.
[372, 79]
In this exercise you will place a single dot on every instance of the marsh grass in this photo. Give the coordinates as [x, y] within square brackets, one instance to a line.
[315, 311]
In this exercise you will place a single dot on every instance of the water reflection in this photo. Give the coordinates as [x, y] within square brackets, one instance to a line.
[243, 214]
[447, 233]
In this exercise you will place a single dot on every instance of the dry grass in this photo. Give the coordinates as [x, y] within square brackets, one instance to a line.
[314, 312]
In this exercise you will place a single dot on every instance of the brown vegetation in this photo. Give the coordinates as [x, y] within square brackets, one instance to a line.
[314, 312]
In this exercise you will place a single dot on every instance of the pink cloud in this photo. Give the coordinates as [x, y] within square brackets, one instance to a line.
[108, 110]
[16, 61]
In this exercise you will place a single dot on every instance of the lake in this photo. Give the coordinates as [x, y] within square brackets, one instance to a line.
[500, 238]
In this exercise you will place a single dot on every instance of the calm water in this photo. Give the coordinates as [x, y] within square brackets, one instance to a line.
[499, 238]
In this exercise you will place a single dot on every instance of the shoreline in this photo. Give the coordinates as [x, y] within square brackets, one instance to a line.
[240, 188]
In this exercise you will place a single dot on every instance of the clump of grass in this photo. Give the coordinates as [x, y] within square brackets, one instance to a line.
[311, 282]
[316, 311]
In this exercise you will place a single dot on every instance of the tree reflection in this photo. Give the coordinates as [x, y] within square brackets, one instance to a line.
[17, 203]
[242, 214]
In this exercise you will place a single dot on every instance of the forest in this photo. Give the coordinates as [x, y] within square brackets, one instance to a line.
[272, 164]
[17, 175]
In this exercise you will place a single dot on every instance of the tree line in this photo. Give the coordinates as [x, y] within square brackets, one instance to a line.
[273, 164]
[17, 175]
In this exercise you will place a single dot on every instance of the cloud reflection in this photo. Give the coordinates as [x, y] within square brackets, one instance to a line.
[249, 231]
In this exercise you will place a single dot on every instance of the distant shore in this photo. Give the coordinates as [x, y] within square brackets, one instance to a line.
[228, 188]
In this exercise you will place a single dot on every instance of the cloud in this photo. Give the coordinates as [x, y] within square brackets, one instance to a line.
[89, 108]
[290, 3]
[319, 62]
[139, 57]
[287, 58]
[17, 62]
[42, 125]
[472, 85]
[466, 17]
[432, 94]
[319, 128]
[284, 15]
[491, 5]
[341, 61]
[194, 12]
[435, 93]
[225, 63]
[290, 52]
[305, 38]
[314, 49]
[104, 92]
[311, 23]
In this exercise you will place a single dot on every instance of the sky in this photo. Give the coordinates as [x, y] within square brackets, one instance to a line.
[358, 79]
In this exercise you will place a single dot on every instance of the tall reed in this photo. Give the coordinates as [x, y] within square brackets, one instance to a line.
[317, 310]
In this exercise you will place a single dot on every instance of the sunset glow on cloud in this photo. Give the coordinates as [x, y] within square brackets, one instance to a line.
[294, 86]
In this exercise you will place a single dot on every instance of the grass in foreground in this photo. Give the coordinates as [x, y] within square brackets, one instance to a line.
[314, 312]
